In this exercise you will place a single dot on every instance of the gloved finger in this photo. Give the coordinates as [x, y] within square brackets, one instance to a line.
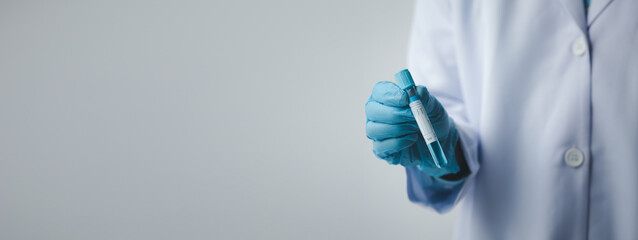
[389, 146]
[380, 131]
[429, 102]
[422, 91]
[388, 93]
[432, 106]
[378, 112]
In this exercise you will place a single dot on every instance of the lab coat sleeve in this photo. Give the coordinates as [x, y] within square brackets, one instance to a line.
[432, 62]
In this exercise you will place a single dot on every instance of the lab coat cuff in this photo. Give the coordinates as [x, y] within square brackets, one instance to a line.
[469, 142]
[438, 194]
[431, 192]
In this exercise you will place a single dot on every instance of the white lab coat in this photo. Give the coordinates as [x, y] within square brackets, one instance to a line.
[525, 81]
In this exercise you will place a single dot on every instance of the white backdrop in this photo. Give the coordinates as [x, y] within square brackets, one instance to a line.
[200, 120]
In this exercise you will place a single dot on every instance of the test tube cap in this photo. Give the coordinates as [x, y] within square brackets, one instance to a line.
[404, 79]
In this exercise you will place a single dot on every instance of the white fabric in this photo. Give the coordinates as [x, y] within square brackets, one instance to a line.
[523, 91]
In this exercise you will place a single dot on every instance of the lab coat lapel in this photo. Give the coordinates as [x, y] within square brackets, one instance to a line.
[576, 9]
[595, 9]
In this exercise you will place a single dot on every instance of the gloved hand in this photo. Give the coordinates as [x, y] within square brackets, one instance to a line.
[396, 136]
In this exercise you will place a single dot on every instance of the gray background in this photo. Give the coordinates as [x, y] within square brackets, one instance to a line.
[200, 120]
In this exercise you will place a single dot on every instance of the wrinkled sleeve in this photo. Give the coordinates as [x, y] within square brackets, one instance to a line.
[432, 62]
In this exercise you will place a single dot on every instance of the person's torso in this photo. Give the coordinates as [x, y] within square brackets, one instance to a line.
[540, 78]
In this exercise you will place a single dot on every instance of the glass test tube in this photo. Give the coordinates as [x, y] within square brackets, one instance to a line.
[404, 78]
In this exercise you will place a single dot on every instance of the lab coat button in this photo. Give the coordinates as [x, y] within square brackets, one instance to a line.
[574, 157]
[579, 47]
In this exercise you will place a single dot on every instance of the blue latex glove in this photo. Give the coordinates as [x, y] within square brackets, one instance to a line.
[395, 134]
